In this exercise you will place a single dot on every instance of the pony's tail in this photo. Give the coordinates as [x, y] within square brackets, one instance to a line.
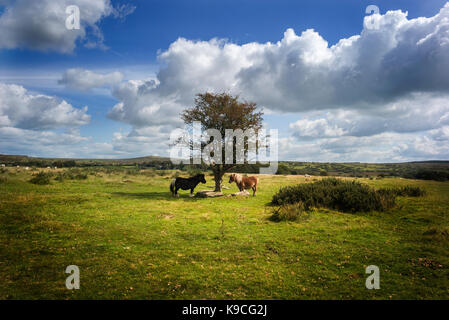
[172, 186]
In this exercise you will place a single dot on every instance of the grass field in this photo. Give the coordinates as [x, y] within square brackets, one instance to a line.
[132, 240]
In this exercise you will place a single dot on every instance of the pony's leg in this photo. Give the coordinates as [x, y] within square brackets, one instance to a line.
[176, 192]
[254, 191]
[191, 193]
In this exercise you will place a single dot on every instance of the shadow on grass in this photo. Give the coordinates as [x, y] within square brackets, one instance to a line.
[155, 196]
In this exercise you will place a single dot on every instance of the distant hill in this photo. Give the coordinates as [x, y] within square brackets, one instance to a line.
[427, 170]
[26, 160]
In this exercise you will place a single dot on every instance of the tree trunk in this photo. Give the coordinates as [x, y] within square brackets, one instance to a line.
[218, 176]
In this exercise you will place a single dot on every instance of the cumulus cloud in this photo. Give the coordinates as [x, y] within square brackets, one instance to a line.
[69, 144]
[400, 59]
[316, 128]
[141, 105]
[82, 79]
[380, 95]
[40, 25]
[143, 141]
[383, 147]
[403, 59]
[21, 109]
[419, 112]
[41, 125]
[423, 148]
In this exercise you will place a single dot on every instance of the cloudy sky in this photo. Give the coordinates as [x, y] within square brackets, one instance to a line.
[338, 83]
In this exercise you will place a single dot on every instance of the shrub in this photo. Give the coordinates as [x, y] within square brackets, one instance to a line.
[149, 173]
[437, 175]
[132, 171]
[41, 178]
[289, 212]
[71, 174]
[176, 174]
[283, 169]
[60, 177]
[323, 173]
[409, 191]
[194, 171]
[346, 196]
[436, 234]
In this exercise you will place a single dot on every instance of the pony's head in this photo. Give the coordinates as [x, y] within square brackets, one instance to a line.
[201, 178]
[232, 178]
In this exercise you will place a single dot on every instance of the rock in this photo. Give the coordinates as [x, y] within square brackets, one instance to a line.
[241, 193]
[208, 194]
[223, 187]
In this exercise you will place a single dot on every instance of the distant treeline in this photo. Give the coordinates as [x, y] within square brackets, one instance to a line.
[432, 170]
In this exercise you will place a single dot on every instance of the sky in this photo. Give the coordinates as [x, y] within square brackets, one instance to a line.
[339, 83]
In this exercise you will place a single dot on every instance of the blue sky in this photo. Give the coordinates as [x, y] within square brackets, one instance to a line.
[126, 44]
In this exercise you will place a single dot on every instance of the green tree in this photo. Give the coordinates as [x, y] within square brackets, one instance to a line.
[223, 111]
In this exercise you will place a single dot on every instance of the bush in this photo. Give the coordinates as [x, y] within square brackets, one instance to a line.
[436, 234]
[194, 171]
[323, 173]
[71, 174]
[437, 175]
[149, 173]
[132, 171]
[42, 178]
[283, 169]
[175, 174]
[409, 191]
[289, 212]
[60, 177]
[346, 196]
[161, 172]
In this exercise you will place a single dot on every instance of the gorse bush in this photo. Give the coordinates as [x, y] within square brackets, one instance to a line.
[346, 196]
[289, 212]
[42, 178]
[75, 174]
[437, 175]
[162, 172]
[408, 191]
[71, 174]
[132, 171]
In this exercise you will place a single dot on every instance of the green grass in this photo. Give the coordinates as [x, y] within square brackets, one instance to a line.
[132, 240]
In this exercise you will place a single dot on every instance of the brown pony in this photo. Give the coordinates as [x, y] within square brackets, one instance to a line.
[244, 182]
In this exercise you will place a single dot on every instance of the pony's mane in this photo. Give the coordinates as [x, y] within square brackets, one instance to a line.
[238, 177]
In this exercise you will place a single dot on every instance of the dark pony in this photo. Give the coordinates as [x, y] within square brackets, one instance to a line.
[186, 184]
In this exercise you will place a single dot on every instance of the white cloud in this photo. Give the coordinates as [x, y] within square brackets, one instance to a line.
[40, 25]
[441, 134]
[419, 112]
[144, 141]
[316, 128]
[381, 95]
[303, 73]
[69, 144]
[424, 148]
[141, 105]
[82, 79]
[22, 109]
